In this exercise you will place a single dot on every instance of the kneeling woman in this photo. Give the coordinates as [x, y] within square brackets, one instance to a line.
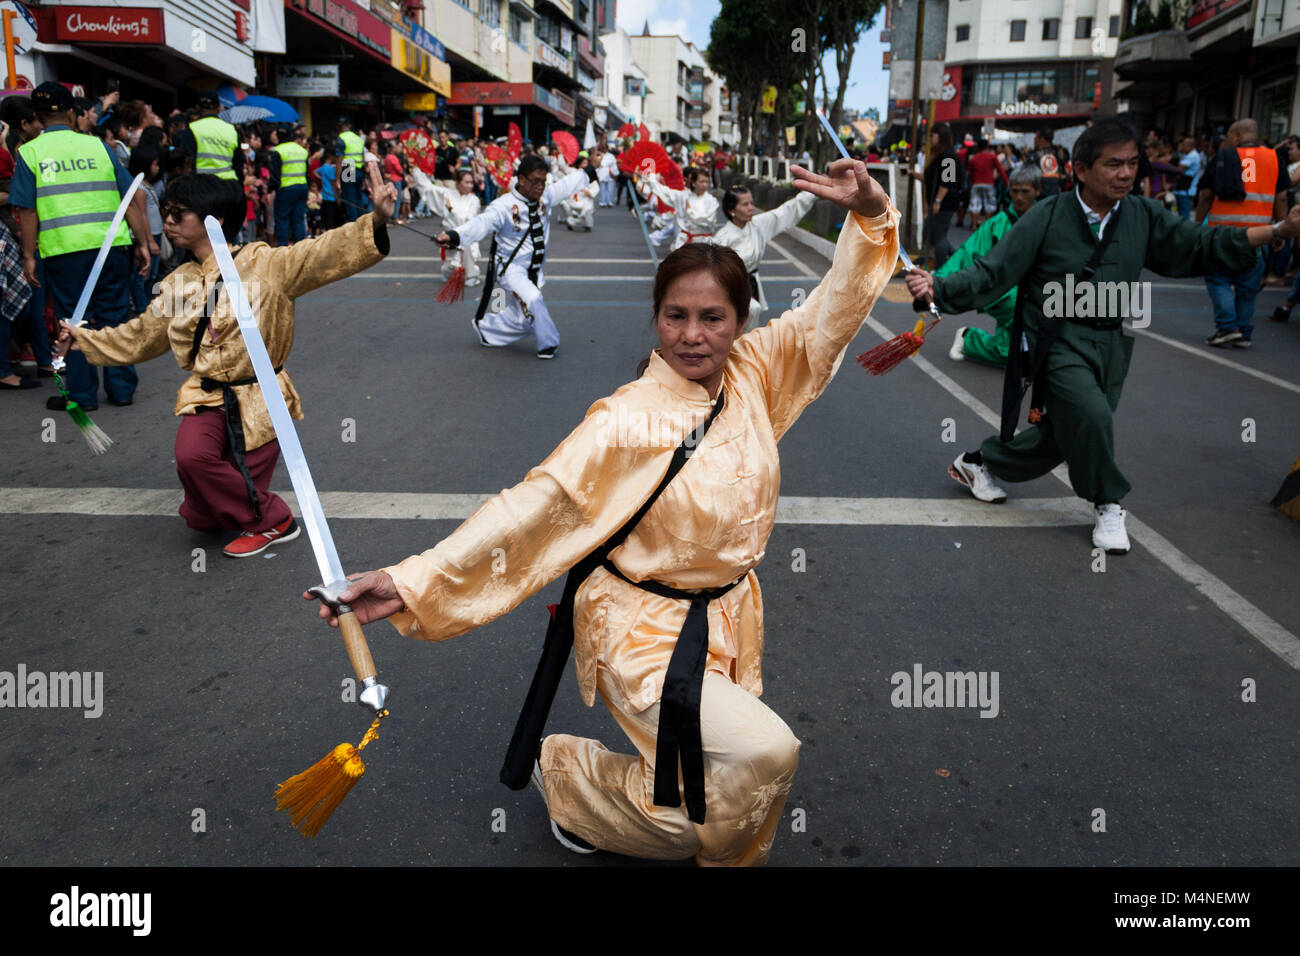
[226, 449]
[669, 628]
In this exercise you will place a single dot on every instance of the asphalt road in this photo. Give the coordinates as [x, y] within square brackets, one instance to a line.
[1120, 693]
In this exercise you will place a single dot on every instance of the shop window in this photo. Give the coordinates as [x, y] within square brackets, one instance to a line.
[963, 33]
[1018, 31]
[1051, 28]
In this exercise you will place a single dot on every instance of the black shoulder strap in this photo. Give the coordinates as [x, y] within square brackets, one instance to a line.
[525, 743]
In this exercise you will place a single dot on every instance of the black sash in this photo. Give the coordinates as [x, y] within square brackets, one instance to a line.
[1025, 369]
[538, 235]
[679, 705]
[235, 429]
[525, 743]
[489, 280]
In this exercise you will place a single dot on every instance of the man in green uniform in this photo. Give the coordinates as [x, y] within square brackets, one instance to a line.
[213, 142]
[1068, 287]
[976, 344]
[289, 183]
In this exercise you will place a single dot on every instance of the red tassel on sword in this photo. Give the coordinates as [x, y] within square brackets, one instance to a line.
[886, 355]
[453, 290]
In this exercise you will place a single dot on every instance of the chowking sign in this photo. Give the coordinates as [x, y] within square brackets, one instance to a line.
[108, 24]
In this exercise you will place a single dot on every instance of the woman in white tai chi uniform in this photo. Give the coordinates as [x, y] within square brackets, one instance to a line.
[696, 208]
[457, 207]
[748, 234]
[663, 579]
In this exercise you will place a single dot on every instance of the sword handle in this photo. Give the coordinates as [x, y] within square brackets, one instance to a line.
[363, 665]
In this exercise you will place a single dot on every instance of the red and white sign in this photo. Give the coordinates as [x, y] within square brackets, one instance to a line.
[108, 24]
[947, 105]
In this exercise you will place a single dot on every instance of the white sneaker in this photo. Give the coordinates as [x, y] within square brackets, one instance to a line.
[958, 351]
[1108, 533]
[978, 480]
[570, 841]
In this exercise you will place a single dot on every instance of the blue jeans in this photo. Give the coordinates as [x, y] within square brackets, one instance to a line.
[141, 287]
[350, 204]
[32, 319]
[1233, 296]
[1184, 201]
[109, 306]
[290, 214]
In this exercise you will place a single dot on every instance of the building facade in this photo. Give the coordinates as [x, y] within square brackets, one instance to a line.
[684, 96]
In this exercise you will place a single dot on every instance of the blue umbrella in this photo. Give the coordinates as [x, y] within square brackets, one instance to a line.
[279, 110]
[241, 114]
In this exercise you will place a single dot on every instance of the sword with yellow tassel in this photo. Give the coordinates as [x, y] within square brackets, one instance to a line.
[885, 356]
[311, 796]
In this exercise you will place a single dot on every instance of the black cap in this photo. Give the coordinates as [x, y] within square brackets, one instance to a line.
[208, 101]
[51, 97]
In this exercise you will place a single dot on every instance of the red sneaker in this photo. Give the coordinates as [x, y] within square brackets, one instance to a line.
[250, 543]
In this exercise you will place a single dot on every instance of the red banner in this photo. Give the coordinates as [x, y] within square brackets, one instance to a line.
[107, 24]
[948, 106]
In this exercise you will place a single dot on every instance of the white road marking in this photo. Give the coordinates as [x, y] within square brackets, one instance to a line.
[808, 273]
[956, 512]
[1202, 352]
[1254, 621]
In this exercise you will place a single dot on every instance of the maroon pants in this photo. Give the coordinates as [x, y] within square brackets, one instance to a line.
[215, 494]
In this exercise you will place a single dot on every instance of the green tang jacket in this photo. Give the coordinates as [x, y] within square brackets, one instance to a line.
[976, 247]
[1050, 245]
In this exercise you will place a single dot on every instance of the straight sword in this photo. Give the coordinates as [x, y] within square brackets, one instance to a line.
[373, 694]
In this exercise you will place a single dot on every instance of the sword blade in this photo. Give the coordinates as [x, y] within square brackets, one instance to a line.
[102, 255]
[313, 516]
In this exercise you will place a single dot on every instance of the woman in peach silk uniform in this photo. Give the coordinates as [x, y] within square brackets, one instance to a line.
[709, 528]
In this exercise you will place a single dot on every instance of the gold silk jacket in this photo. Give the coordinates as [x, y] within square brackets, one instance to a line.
[708, 528]
[273, 278]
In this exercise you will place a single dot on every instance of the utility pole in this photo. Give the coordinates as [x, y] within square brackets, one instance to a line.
[916, 117]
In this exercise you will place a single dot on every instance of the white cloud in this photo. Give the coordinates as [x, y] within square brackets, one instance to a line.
[668, 27]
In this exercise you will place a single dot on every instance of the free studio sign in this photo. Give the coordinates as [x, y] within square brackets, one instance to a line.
[307, 80]
[1026, 108]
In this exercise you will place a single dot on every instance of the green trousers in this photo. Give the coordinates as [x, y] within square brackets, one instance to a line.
[1085, 374]
[990, 348]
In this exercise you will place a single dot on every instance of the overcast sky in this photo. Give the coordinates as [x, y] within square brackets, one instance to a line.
[690, 19]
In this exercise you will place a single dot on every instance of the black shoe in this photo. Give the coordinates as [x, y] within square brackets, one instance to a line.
[57, 403]
[44, 372]
[114, 401]
[1241, 344]
[1223, 337]
[547, 353]
[23, 383]
[1281, 315]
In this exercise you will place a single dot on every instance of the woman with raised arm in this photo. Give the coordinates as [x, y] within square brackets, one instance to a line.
[662, 605]
[748, 232]
[695, 207]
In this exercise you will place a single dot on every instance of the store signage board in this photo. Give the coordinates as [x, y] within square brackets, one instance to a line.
[321, 79]
[109, 25]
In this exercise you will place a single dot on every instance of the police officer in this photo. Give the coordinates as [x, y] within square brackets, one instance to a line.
[289, 181]
[353, 149]
[213, 142]
[66, 188]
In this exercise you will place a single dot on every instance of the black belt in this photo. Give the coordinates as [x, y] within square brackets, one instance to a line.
[679, 704]
[1099, 326]
[235, 429]
[753, 286]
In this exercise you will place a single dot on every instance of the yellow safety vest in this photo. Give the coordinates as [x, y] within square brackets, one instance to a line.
[354, 150]
[76, 191]
[217, 141]
[293, 165]
[1259, 179]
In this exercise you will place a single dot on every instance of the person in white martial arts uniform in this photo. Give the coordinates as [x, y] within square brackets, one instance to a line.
[695, 207]
[605, 173]
[579, 210]
[457, 207]
[660, 216]
[748, 232]
[520, 225]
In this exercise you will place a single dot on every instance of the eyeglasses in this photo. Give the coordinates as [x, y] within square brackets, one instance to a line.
[174, 211]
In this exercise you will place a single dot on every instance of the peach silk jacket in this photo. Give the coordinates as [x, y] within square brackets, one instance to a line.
[708, 528]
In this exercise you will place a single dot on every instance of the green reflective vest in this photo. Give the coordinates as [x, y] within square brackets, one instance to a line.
[217, 141]
[354, 150]
[293, 164]
[76, 192]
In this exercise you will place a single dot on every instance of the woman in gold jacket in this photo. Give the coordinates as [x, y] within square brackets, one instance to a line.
[709, 528]
[225, 459]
